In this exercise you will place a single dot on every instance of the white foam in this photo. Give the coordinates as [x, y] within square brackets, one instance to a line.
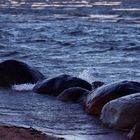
[87, 75]
[23, 87]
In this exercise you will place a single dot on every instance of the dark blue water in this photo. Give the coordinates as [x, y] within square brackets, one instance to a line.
[94, 40]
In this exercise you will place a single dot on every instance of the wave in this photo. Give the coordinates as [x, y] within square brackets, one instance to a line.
[23, 87]
[135, 48]
[8, 54]
[87, 75]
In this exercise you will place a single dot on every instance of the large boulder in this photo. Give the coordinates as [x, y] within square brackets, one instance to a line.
[122, 113]
[58, 84]
[74, 94]
[134, 134]
[99, 97]
[97, 84]
[17, 72]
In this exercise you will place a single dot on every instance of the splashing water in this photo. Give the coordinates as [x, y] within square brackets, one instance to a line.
[23, 87]
[87, 75]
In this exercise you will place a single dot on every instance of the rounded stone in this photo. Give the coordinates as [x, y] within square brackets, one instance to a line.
[99, 97]
[58, 84]
[96, 84]
[122, 113]
[74, 94]
[17, 72]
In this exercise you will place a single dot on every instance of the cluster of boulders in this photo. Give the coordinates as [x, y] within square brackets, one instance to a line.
[117, 104]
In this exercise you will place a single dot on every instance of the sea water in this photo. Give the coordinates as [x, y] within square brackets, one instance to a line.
[93, 40]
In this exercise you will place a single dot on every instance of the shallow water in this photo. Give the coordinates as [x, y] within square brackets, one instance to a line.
[50, 115]
[94, 40]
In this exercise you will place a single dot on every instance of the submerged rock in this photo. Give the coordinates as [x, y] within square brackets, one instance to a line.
[58, 84]
[74, 94]
[17, 72]
[122, 113]
[98, 98]
[134, 134]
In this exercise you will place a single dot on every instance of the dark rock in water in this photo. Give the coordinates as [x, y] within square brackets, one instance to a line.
[99, 97]
[16, 72]
[58, 84]
[52, 86]
[134, 134]
[122, 113]
[96, 84]
[74, 94]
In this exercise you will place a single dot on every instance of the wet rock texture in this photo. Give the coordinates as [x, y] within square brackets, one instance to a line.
[134, 134]
[122, 113]
[21, 133]
[74, 94]
[17, 72]
[97, 84]
[98, 98]
[58, 84]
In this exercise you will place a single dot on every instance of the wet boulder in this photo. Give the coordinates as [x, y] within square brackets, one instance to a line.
[11, 132]
[99, 97]
[96, 84]
[74, 94]
[122, 113]
[58, 84]
[17, 72]
[134, 134]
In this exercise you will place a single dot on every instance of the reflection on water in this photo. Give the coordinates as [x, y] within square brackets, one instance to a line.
[82, 8]
[104, 16]
[105, 3]
[127, 9]
[44, 5]
[14, 3]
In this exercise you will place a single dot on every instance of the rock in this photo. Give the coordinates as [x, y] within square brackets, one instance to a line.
[96, 84]
[74, 94]
[98, 98]
[17, 72]
[134, 134]
[58, 84]
[122, 113]
[8, 132]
